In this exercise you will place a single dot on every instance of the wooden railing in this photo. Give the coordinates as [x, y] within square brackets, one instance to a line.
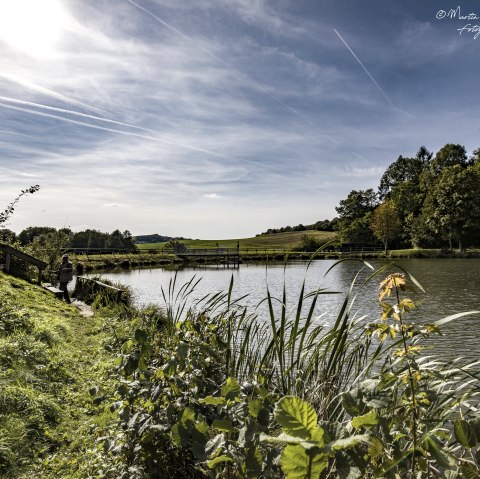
[9, 251]
[88, 288]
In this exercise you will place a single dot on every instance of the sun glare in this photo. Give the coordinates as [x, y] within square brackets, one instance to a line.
[32, 26]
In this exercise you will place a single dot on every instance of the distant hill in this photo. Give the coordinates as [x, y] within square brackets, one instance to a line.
[322, 225]
[263, 242]
[155, 238]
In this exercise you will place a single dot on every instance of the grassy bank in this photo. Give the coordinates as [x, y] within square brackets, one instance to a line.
[145, 259]
[50, 357]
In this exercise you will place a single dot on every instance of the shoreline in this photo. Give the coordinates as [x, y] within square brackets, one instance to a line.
[141, 260]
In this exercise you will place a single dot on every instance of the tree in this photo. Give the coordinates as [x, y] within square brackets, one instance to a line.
[354, 216]
[27, 235]
[402, 170]
[449, 155]
[451, 208]
[385, 223]
[475, 158]
[7, 236]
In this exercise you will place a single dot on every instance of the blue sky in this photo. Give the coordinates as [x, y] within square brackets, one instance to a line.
[222, 118]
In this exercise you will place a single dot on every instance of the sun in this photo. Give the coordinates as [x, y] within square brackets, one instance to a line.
[32, 26]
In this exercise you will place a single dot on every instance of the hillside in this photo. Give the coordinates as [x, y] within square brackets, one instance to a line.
[268, 241]
[154, 238]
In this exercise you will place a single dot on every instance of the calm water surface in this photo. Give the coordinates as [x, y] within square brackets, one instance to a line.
[452, 286]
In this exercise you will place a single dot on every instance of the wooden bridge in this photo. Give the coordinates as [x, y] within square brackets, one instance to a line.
[10, 251]
[222, 255]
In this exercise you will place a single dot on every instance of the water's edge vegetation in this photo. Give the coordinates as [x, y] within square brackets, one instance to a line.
[211, 391]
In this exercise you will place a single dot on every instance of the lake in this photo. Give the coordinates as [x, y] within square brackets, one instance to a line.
[452, 286]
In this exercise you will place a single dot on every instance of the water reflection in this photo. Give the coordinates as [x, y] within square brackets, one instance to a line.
[452, 286]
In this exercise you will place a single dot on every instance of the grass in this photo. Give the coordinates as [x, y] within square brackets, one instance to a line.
[278, 240]
[50, 357]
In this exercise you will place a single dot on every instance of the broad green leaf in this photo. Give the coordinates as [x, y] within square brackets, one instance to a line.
[351, 405]
[231, 389]
[141, 336]
[369, 419]
[469, 471]
[187, 415]
[180, 435]
[182, 350]
[464, 433]
[198, 450]
[441, 455]
[375, 448]
[254, 407]
[316, 435]
[297, 417]
[213, 401]
[212, 447]
[222, 425]
[253, 463]
[346, 443]
[218, 460]
[297, 464]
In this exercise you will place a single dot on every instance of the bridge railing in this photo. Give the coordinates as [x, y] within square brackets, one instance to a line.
[8, 251]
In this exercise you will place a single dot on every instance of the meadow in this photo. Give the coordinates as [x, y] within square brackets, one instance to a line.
[273, 241]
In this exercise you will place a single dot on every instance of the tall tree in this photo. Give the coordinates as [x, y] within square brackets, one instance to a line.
[452, 209]
[354, 216]
[400, 171]
[449, 155]
[385, 223]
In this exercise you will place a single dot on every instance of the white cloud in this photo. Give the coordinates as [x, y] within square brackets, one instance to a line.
[211, 195]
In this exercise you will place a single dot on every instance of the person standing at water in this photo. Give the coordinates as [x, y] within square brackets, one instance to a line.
[65, 275]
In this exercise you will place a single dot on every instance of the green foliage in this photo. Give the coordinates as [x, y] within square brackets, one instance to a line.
[204, 389]
[451, 208]
[385, 223]
[347, 402]
[354, 216]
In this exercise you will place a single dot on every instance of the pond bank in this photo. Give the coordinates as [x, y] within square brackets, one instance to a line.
[139, 260]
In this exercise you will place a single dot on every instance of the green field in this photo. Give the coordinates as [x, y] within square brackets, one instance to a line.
[273, 241]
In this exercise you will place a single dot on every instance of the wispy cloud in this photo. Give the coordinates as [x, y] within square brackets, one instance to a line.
[156, 106]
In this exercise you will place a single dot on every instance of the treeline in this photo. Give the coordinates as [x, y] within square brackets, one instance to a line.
[66, 238]
[424, 201]
[155, 238]
[323, 225]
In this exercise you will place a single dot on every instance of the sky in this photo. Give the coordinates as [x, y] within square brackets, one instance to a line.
[223, 118]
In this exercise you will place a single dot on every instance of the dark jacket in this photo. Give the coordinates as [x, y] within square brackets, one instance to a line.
[65, 272]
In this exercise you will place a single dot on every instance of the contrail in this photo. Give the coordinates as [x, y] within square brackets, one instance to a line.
[122, 132]
[152, 138]
[13, 133]
[127, 133]
[366, 71]
[20, 173]
[178, 32]
[243, 75]
[73, 112]
[46, 91]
